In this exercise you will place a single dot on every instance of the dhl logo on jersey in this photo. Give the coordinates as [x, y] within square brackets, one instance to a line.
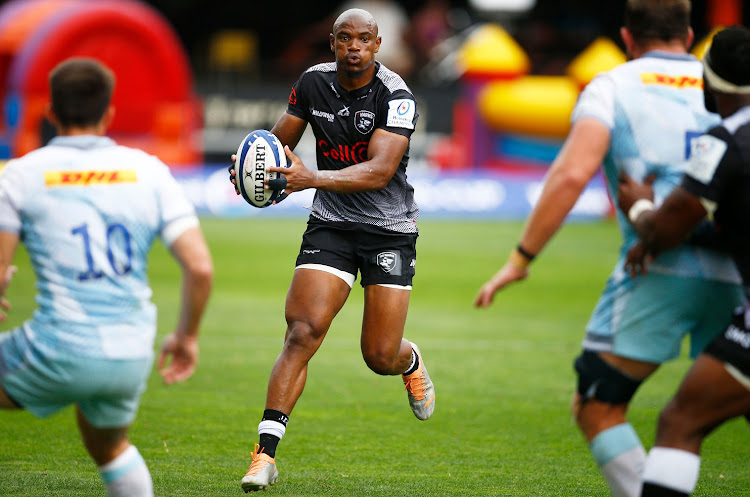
[651, 78]
[83, 178]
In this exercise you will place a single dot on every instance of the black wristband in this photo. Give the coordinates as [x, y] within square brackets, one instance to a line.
[528, 255]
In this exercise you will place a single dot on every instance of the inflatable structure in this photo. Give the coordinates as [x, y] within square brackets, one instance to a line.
[155, 106]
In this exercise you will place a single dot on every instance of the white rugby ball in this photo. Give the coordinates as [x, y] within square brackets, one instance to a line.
[259, 149]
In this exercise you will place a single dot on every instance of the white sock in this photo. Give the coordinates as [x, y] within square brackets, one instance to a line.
[272, 428]
[127, 475]
[620, 456]
[674, 469]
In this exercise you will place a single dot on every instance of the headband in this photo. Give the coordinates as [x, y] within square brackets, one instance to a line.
[720, 84]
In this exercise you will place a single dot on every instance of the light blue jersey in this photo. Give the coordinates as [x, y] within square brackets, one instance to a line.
[88, 211]
[653, 107]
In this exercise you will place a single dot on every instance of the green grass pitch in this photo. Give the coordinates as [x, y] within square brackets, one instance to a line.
[503, 377]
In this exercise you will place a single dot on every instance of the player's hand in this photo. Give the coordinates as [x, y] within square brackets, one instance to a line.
[508, 274]
[629, 190]
[298, 177]
[183, 352]
[4, 304]
[637, 259]
[233, 174]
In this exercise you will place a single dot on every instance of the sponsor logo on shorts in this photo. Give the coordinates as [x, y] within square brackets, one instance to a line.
[413, 263]
[737, 335]
[387, 261]
[83, 178]
[364, 121]
[311, 251]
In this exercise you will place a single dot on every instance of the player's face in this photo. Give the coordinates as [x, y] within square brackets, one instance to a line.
[355, 44]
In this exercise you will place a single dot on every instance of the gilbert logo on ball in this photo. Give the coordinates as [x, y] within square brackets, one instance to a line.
[259, 149]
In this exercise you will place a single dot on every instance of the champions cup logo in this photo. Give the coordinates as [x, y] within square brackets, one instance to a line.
[364, 121]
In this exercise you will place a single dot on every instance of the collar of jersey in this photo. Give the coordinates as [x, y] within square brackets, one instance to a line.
[82, 141]
[660, 54]
[359, 91]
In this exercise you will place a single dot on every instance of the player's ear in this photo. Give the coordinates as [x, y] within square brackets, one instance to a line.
[690, 38]
[50, 115]
[377, 44]
[109, 115]
[331, 40]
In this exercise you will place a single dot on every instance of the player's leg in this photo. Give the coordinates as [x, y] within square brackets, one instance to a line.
[315, 297]
[637, 325]
[606, 386]
[386, 352]
[716, 389]
[121, 466]
[384, 349]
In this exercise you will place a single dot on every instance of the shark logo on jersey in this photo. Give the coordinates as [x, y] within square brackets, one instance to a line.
[389, 262]
[364, 121]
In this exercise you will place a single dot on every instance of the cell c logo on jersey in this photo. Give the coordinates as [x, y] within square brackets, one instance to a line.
[348, 154]
[364, 121]
[386, 261]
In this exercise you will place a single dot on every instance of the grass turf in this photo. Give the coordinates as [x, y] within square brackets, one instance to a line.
[503, 377]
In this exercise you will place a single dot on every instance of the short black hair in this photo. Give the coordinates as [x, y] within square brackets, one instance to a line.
[657, 20]
[729, 55]
[81, 91]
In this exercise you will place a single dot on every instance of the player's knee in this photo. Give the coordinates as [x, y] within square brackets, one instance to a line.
[679, 426]
[303, 335]
[378, 363]
[598, 380]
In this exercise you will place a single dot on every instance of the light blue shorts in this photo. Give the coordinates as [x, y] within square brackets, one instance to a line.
[43, 382]
[646, 318]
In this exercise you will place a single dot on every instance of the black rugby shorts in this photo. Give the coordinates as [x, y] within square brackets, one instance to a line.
[380, 255]
[733, 345]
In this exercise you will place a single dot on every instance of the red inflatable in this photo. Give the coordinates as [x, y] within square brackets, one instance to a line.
[155, 107]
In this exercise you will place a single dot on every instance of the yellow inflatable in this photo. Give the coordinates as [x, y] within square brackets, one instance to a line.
[534, 105]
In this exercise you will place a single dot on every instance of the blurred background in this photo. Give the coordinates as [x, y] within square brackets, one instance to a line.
[495, 82]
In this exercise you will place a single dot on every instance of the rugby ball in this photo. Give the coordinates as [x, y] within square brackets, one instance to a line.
[259, 149]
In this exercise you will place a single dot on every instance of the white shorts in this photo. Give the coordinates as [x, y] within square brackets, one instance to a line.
[106, 390]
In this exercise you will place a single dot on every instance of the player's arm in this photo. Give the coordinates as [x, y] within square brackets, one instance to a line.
[575, 165]
[8, 245]
[192, 254]
[660, 229]
[384, 154]
[289, 129]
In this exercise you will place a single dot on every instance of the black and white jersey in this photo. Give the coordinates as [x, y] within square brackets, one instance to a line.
[343, 122]
[719, 173]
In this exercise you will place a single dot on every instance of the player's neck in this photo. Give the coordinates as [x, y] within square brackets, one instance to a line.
[673, 46]
[351, 82]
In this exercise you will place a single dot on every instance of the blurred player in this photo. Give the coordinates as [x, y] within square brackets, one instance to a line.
[87, 211]
[717, 387]
[638, 118]
[363, 219]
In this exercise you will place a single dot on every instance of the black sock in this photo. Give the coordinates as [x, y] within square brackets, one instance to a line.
[415, 363]
[654, 490]
[269, 442]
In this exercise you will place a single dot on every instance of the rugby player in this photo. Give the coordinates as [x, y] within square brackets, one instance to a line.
[637, 118]
[87, 211]
[363, 220]
[716, 183]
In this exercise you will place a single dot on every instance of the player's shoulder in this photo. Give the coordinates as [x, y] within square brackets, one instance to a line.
[391, 80]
